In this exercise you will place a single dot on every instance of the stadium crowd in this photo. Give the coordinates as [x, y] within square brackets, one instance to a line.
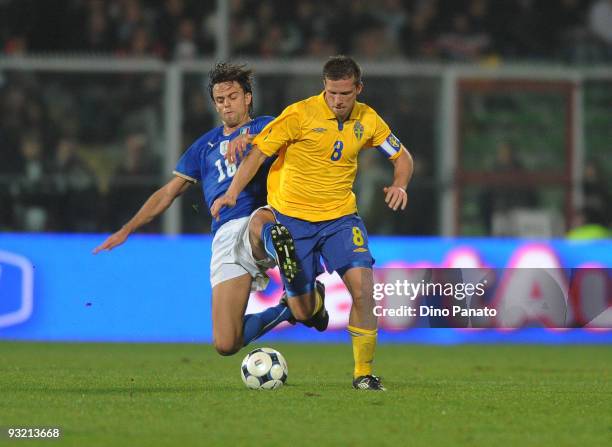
[72, 145]
[462, 30]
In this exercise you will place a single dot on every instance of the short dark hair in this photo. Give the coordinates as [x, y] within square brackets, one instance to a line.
[342, 67]
[227, 72]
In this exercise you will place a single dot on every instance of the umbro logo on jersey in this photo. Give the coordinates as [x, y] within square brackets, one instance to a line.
[319, 129]
[211, 144]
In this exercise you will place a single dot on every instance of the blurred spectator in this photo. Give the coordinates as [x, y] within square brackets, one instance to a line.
[169, 21]
[393, 16]
[600, 20]
[16, 45]
[307, 20]
[130, 19]
[500, 199]
[30, 192]
[600, 25]
[133, 182]
[243, 30]
[597, 197]
[271, 42]
[198, 114]
[421, 213]
[461, 42]
[99, 35]
[74, 189]
[523, 29]
[185, 47]
[372, 43]
[141, 44]
[320, 48]
[479, 15]
[140, 97]
[421, 30]
[566, 25]
[12, 107]
[369, 191]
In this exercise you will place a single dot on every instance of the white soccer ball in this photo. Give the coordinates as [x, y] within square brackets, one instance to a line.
[264, 369]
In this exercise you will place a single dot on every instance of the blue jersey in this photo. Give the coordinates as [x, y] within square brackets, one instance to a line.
[204, 162]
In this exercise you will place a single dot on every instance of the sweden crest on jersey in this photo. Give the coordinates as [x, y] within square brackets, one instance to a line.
[358, 130]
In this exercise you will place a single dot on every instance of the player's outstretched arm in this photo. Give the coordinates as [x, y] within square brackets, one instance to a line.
[395, 195]
[246, 171]
[159, 202]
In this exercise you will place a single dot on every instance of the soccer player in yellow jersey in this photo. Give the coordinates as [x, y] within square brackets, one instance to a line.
[318, 141]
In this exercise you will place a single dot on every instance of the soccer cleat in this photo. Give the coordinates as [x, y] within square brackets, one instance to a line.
[368, 382]
[320, 320]
[284, 248]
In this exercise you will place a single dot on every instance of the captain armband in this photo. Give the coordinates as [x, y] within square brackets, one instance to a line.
[390, 147]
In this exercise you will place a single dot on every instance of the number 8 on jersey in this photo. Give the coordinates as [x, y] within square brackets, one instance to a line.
[337, 154]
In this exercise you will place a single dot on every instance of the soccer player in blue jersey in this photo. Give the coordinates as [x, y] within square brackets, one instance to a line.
[239, 257]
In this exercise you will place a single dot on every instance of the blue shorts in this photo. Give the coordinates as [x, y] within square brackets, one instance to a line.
[342, 243]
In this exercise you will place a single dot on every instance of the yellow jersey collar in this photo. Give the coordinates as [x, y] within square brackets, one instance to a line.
[328, 112]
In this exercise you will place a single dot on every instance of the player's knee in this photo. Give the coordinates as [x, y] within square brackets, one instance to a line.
[302, 314]
[302, 308]
[361, 298]
[227, 347]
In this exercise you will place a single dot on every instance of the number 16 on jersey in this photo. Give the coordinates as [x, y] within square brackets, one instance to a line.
[230, 168]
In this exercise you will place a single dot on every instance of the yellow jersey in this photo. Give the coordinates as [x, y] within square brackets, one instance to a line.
[312, 178]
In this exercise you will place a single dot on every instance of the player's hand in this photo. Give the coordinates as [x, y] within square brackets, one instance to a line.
[396, 197]
[236, 147]
[112, 241]
[220, 203]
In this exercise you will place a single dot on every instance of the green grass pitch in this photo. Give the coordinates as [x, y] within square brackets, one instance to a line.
[184, 395]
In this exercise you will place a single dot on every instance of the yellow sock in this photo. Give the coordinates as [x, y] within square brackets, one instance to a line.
[364, 345]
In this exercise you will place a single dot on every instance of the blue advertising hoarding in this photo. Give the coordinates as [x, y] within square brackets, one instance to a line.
[156, 288]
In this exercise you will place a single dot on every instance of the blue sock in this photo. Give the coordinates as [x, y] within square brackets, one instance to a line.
[266, 237]
[256, 325]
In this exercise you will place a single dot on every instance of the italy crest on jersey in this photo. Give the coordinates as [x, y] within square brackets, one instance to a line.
[358, 130]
